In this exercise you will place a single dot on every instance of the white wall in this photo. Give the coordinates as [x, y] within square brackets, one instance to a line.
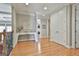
[27, 21]
[14, 27]
[60, 26]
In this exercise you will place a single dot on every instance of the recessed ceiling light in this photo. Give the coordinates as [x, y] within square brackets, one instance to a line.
[26, 3]
[45, 8]
[43, 15]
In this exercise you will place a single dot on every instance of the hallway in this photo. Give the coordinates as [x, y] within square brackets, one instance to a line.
[25, 24]
[49, 48]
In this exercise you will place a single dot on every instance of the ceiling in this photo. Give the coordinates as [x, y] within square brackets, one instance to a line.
[38, 8]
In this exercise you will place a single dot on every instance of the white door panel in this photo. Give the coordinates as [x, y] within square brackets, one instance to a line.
[58, 25]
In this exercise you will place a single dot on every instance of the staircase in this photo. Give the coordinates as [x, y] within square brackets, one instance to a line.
[5, 43]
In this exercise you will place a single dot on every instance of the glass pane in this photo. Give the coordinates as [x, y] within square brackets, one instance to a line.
[2, 28]
[9, 28]
[5, 17]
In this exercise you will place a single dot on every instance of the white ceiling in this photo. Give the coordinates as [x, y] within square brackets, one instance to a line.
[38, 7]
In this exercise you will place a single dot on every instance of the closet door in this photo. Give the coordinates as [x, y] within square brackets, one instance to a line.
[58, 29]
[77, 27]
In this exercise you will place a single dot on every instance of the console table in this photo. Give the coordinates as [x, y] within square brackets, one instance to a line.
[32, 33]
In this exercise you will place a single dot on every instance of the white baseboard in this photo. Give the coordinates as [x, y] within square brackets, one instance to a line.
[25, 39]
[14, 45]
[67, 46]
[60, 43]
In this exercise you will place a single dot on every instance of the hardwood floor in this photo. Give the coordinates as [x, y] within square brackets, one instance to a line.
[1, 48]
[48, 48]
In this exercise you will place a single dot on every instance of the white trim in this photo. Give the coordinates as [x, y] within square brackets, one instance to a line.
[26, 40]
[73, 25]
[14, 27]
[60, 43]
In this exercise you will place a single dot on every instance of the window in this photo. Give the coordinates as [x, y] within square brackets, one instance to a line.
[5, 22]
[5, 17]
[7, 27]
[2, 28]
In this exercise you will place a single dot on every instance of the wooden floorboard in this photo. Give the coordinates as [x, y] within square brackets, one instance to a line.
[48, 48]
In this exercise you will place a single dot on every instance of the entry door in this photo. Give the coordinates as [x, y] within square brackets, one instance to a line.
[77, 27]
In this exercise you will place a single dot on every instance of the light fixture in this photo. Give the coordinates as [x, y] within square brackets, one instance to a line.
[45, 8]
[38, 21]
[43, 15]
[26, 3]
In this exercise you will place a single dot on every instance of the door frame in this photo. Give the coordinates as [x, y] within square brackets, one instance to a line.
[73, 25]
[74, 9]
[75, 40]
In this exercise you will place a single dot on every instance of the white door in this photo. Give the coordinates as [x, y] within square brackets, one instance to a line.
[58, 27]
[77, 27]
